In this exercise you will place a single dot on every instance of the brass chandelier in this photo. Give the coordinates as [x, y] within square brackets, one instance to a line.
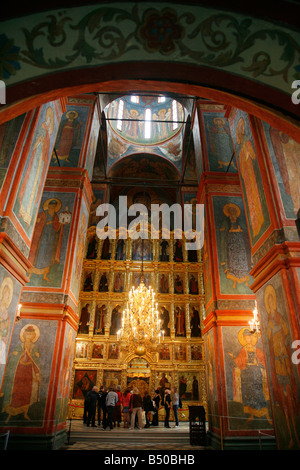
[141, 325]
[141, 329]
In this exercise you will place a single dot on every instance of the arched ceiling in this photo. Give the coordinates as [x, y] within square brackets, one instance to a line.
[236, 53]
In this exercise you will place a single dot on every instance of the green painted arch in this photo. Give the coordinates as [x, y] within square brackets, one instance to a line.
[204, 46]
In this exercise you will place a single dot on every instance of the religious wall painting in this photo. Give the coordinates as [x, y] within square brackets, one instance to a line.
[10, 290]
[112, 378]
[51, 240]
[196, 352]
[251, 179]
[113, 351]
[188, 385]
[164, 311]
[116, 319]
[79, 250]
[84, 320]
[180, 352]
[97, 200]
[100, 319]
[178, 283]
[9, 134]
[70, 135]
[233, 245]
[119, 281]
[27, 377]
[179, 320]
[164, 283]
[84, 381]
[247, 390]
[284, 153]
[81, 349]
[211, 379]
[220, 150]
[65, 375]
[273, 312]
[103, 281]
[34, 173]
[98, 351]
[164, 352]
[195, 321]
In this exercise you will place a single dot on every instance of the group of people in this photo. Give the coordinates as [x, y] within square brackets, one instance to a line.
[109, 404]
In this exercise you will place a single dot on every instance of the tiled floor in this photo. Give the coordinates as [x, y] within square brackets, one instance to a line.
[81, 437]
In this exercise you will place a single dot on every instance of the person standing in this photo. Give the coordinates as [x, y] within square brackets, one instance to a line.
[102, 406]
[137, 404]
[117, 411]
[156, 401]
[167, 404]
[111, 401]
[175, 404]
[126, 408]
[147, 407]
[92, 400]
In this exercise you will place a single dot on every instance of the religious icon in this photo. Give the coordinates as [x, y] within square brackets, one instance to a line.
[115, 320]
[193, 284]
[119, 282]
[179, 321]
[98, 351]
[178, 255]
[105, 254]
[120, 250]
[195, 323]
[6, 295]
[92, 248]
[103, 283]
[88, 282]
[99, 324]
[178, 284]
[84, 320]
[165, 320]
[164, 283]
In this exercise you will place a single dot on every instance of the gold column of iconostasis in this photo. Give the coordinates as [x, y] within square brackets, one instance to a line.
[51, 204]
[110, 269]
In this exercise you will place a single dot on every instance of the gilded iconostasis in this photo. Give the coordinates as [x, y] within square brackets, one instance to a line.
[110, 269]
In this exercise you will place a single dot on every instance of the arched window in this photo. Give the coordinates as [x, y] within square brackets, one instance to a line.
[148, 120]
[174, 114]
[120, 115]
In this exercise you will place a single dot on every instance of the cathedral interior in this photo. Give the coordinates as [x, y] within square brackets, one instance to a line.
[165, 124]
